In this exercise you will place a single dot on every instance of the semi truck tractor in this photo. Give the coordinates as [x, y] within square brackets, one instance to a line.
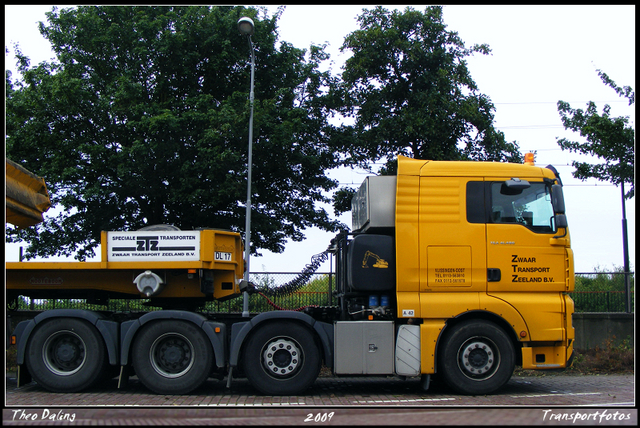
[454, 270]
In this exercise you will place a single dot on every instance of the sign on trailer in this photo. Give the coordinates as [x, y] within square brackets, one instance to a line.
[153, 246]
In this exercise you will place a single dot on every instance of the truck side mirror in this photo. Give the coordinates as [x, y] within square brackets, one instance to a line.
[561, 220]
[557, 199]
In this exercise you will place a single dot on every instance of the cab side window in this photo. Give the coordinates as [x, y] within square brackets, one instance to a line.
[494, 202]
[529, 207]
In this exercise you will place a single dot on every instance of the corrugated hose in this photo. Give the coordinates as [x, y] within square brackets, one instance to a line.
[298, 282]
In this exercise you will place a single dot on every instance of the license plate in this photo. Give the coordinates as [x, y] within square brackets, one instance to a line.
[223, 257]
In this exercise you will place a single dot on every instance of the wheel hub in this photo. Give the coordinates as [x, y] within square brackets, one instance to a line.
[281, 357]
[63, 353]
[66, 352]
[171, 355]
[477, 358]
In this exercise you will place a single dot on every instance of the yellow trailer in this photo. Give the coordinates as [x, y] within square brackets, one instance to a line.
[167, 266]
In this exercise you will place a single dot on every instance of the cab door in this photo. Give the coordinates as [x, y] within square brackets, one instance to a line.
[520, 230]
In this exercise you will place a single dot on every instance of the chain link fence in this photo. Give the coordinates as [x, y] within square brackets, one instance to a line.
[594, 292]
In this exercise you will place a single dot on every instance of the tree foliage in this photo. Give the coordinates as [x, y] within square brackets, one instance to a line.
[143, 119]
[609, 138]
[408, 88]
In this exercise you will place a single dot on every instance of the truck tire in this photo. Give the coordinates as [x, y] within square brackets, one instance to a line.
[66, 355]
[476, 358]
[281, 359]
[172, 357]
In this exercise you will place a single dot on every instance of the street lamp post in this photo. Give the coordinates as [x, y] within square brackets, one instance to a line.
[246, 27]
[625, 254]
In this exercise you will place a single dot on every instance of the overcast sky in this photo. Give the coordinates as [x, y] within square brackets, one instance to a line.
[540, 55]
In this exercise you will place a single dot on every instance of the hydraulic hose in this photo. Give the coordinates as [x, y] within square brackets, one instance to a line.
[299, 281]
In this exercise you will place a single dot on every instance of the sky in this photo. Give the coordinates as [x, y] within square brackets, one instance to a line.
[540, 55]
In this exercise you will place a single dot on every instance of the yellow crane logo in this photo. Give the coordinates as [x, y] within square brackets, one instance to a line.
[380, 263]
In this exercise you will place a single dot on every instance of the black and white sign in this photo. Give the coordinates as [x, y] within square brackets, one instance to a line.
[153, 246]
[222, 256]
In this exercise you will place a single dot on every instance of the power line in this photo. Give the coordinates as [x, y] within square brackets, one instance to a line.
[565, 185]
[555, 102]
[529, 126]
[589, 185]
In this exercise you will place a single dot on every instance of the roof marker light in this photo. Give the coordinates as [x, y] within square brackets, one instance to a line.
[529, 158]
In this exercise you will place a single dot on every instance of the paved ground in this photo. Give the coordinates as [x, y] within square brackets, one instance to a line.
[550, 399]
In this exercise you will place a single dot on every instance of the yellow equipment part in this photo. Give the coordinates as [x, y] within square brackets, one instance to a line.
[26, 196]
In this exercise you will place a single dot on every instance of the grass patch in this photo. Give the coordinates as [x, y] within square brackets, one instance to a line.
[609, 358]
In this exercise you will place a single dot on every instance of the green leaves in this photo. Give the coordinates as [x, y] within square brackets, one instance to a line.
[144, 119]
[408, 87]
[606, 137]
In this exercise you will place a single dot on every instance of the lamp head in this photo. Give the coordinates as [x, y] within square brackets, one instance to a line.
[245, 26]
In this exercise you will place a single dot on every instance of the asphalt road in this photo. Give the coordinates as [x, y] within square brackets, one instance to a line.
[536, 400]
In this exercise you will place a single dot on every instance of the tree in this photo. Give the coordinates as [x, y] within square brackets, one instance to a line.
[409, 90]
[143, 119]
[609, 138]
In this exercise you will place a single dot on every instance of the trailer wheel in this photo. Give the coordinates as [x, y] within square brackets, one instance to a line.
[476, 358]
[172, 357]
[66, 355]
[281, 359]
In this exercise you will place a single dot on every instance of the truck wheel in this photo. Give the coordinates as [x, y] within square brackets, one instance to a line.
[476, 358]
[281, 359]
[172, 357]
[66, 355]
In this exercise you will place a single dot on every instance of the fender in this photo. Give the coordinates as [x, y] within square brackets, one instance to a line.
[506, 311]
[216, 332]
[240, 331]
[433, 329]
[108, 330]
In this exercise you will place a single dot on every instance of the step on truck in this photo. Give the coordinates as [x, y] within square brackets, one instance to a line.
[458, 270]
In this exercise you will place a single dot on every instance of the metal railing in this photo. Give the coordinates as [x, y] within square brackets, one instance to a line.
[603, 292]
[594, 292]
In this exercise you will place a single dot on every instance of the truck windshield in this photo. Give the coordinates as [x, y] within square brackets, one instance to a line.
[530, 207]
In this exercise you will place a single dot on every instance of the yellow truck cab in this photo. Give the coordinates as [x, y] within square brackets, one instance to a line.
[479, 246]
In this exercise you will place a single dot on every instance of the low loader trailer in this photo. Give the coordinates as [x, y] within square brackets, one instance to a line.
[459, 270]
